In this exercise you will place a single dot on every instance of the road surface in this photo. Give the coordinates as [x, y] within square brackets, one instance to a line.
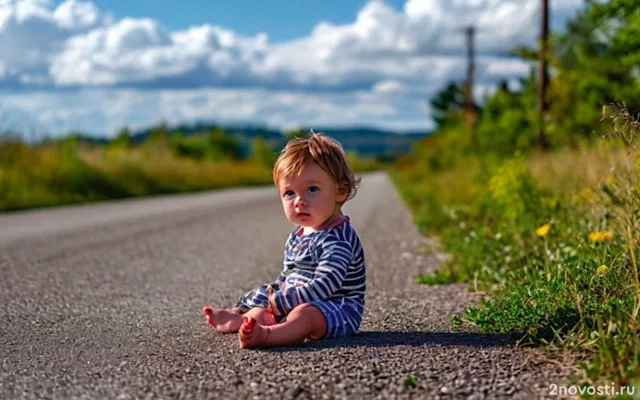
[104, 301]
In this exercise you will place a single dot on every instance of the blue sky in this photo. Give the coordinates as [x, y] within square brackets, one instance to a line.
[96, 66]
[281, 19]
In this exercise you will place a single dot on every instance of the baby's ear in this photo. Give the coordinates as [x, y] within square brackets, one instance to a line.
[343, 191]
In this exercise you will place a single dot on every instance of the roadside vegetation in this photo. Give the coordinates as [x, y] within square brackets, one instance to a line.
[75, 170]
[550, 234]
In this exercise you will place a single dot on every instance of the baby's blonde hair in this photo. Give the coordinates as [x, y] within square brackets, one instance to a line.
[325, 151]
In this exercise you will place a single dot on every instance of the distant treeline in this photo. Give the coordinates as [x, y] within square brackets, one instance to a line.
[366, 142]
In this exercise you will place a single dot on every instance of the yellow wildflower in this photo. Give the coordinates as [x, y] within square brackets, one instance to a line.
[602, 269]
[610, 181]
[543, 230]
[599, 236]
[587, 194]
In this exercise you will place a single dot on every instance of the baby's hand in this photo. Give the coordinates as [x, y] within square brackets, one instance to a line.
[272, 302]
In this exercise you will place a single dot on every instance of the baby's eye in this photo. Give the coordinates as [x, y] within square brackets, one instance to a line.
[313, 189]
[288, 193]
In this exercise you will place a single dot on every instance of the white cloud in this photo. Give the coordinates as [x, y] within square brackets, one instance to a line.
[75, 45]
[131, 50]
[381, 44]
[389, 86]
[141, 51]
[384, 60]
[32, 34]
[102, 111]
[496, 68]
[77, 15]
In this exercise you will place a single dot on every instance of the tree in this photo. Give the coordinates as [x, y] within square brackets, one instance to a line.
[159, 134]
[294, 133]
[506, 124]
[596, 62]
[222, 146]
[618, 23]
[262, 153]
[123, 138]
[448, 104]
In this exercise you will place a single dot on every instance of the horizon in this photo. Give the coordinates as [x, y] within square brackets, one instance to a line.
[195, 125]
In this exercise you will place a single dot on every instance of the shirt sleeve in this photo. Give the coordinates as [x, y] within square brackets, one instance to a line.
[333, 262]
[259, 297]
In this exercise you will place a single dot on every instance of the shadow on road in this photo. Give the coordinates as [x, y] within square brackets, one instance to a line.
[388, 339]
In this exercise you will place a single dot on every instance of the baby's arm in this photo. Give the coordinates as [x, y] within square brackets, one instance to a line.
[329, 275]
[258, 297]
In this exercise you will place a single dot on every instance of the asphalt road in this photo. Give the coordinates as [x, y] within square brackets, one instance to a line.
[104, 300]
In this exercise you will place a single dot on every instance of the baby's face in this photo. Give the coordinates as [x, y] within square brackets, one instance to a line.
[311, 198]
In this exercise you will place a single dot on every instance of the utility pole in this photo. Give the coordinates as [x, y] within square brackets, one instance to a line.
[470, 109]
[543, 76]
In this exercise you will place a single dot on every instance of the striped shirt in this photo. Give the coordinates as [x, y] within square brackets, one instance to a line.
[321, 265]
[326, 264]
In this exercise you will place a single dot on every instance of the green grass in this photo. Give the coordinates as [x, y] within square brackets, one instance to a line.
[551, 239]
[64, 174]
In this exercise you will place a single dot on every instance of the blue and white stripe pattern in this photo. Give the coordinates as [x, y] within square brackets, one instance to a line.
[325, 268]
[258, 297]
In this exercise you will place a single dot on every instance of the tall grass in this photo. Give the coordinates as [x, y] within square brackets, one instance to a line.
[68, 172]
[551, 239]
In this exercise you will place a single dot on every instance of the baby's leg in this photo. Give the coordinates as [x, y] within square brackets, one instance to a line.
[304, 321]
[227, 321]
[223, 321]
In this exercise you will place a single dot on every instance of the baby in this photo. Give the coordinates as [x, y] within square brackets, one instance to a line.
[320, 292]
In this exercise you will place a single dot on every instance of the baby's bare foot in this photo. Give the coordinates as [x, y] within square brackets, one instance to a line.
[223, 321]
[251, 334]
